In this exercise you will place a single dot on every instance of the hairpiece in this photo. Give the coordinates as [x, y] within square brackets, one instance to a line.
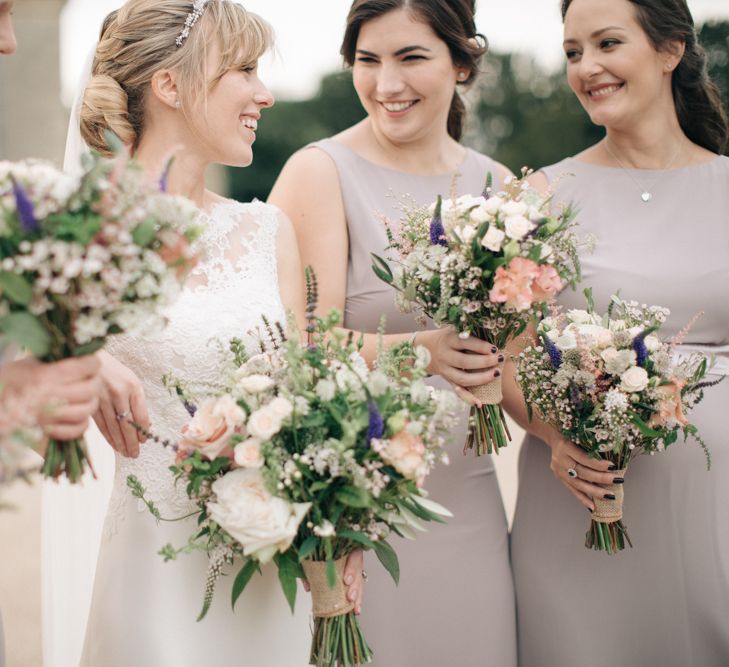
[198, 7]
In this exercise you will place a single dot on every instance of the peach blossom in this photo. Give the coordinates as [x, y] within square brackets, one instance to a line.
[513, 285]
[670, 407]
[216, 420]
[547, 284]
[406, 453]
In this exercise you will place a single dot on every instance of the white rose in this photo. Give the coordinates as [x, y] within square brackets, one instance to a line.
[609, 355]
[652, 343]
[264, 424]
[493, 205]
[325, 390]
[479, 215]
[255, 384]
[468, 233]
[263, 524]
[566, 341]
[281, 407]
[493, 239]
[517, 226]
[579, 316]
[514, 208]
[634, 379]
[248, 454]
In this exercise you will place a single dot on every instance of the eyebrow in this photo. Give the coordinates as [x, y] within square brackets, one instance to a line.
[399, 52]
[597, 33]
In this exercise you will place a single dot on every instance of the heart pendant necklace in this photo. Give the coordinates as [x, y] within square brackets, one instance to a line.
[645, 193]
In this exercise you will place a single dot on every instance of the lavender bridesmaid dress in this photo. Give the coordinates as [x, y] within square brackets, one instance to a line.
[455, 601]
[666, 601]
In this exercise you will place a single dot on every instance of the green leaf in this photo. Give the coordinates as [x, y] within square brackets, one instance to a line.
[242, 579]
[353, 496]
[382, 269]
[307, 547]
[144, 233]
[388, 558]
[645, 429]
[26, 330]
[356, 536]
[590, 300]
[16, 288]
[288, 571]
[511, 250]
[89, 348]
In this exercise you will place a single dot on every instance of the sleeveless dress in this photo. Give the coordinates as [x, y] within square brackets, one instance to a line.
[455, 601]
[143, 610]
[666, 601]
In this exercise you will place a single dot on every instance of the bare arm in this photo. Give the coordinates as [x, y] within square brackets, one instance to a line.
[308, 191]
[290, 271]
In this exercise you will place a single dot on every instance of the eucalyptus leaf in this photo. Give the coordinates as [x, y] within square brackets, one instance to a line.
[16, 288]
[26, 330]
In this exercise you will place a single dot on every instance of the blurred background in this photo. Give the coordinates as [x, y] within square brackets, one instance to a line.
[522, 113]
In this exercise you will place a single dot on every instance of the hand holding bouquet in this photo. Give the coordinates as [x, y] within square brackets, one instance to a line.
[611, 386]
[305, 454]
[486, 266]
[82, 258]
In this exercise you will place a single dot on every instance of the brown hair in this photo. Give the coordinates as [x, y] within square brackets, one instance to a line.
[138, 40]
[454, 23]
[697, 98]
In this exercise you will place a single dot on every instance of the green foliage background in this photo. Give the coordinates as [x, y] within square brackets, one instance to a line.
[519, 113]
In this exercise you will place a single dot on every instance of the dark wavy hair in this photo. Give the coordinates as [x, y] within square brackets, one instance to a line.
[452, 20]
[697, 98]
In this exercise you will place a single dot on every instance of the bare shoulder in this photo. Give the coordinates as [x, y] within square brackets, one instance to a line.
[539, 181]
[308, 165]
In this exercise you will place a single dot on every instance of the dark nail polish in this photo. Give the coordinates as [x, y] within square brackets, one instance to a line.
[590, 510]
[501, 358]
[497, 374]
[609, 496]
[494, 350]
[618, 480]
[612, 467]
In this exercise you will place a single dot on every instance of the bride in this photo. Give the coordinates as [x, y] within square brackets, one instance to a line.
[177, 77]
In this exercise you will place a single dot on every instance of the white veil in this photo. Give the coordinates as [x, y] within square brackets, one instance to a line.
[73, 515]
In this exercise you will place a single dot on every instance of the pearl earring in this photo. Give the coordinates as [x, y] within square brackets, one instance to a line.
[461, 76]
[177, 104]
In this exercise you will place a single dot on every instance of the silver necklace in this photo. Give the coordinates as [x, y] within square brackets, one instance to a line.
[646, 194]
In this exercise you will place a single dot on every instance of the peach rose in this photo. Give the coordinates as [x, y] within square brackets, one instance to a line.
[216, 420]
[547, 284]
[406, 453]
[248, 454]
[670, 406]
[513, 285]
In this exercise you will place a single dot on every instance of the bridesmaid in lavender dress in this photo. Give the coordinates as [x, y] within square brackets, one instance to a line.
[454, 604]
[655, 193]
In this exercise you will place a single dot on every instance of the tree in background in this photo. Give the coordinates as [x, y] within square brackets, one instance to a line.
[521, 114]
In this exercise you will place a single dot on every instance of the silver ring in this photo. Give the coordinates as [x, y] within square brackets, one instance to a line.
[572, 472]
[364, 576]
[122, 415]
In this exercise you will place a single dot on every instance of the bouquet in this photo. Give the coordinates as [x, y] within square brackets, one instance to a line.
[82, 258]
[486, 266]
[613, 387]
[302, 456]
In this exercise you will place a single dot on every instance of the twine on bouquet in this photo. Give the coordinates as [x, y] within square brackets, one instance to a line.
[327, 601]
[489, 393]
[610, 511]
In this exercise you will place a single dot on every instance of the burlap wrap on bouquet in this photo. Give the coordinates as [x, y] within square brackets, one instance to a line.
[610, 511]
[327, 602]
[489, 394]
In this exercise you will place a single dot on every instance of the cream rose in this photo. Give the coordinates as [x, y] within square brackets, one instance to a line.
[406, 453]
[634, 379]
[493, 205]
[255, 384]
[514, 208]
[210, 429]
[566, 341]
[281, 407]
[263, 524]
[264, 424]
[479, 215]
[468, 233]
[517, 226]
[493, 239]
[248, 454]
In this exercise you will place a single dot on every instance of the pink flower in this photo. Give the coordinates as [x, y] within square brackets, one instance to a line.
[513, 285]
[211, 428]
[406, 453]
[547, 284]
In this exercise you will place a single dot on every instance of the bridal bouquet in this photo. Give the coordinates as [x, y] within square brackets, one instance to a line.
[305, 455]
[82, 258]
[612, 386]
[486, 266]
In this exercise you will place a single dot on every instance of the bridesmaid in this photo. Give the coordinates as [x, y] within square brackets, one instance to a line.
[455, 597]
[655, 192]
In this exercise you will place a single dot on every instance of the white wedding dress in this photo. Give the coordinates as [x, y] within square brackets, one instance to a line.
[143, 611]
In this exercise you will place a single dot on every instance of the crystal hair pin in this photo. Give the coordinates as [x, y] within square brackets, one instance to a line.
[198, 7]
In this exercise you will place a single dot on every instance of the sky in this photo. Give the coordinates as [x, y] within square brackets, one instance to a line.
[309, 32]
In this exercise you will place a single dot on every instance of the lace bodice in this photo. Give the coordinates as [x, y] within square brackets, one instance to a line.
[234, 284]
